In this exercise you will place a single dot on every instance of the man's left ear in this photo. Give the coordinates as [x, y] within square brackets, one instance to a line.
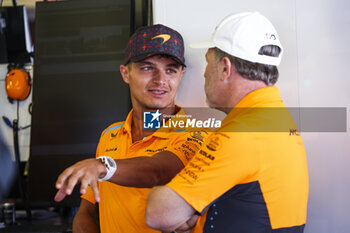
[124, 71]
[226, 68]
[183, 71]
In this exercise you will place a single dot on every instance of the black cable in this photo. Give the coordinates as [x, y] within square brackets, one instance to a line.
[30, 108]
[25, 127]
[22, 186]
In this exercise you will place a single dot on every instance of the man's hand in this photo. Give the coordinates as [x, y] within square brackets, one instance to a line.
[187, 226]
[86, 172]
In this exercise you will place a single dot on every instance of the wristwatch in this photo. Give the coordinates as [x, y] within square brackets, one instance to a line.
[110, 166]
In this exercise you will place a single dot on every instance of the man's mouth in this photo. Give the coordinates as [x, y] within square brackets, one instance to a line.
[158, 92]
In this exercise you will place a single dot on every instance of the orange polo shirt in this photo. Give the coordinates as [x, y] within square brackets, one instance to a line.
[122, 209]
[250, 176]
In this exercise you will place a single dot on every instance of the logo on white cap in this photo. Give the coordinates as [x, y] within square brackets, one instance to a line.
[270, 36]
[242, 35]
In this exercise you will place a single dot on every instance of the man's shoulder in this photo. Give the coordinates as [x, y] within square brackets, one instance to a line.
[113, 127]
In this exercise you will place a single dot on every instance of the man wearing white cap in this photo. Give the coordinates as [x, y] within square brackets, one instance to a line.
[250, 176]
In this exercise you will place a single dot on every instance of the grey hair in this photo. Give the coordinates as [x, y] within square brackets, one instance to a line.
[254, 71]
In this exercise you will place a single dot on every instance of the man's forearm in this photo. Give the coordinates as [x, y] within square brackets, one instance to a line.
[146, 172]
[140, 172]
[168, 211]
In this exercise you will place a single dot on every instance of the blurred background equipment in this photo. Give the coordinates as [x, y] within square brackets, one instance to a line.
[15, 40]
[77, 91]
[18, 84]
[7, 170]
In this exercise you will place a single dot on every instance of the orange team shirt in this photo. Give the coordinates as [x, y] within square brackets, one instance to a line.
[122, 209]
[251, 174]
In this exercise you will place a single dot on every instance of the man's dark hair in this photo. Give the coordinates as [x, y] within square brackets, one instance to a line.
[160, 55]
[254, 71]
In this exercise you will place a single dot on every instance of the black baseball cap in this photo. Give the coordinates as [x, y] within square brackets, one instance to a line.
[155, 40]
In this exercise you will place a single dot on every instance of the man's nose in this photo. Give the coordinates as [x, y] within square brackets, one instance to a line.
[159, 77]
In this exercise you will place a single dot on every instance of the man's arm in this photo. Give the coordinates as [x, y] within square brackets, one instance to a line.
[86, 219]
[147, 172]
[167, 211]
[142, 172]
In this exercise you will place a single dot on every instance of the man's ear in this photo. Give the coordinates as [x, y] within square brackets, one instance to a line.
[124, 71]
[183, 70]
[226, 68]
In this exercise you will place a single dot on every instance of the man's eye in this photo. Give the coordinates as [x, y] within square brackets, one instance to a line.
[172, 71]
[146, 68]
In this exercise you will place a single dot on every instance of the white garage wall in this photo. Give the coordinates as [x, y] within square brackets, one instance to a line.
[315, 35]
[323, 53]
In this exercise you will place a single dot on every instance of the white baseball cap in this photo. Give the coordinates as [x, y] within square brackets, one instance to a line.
[242, 35]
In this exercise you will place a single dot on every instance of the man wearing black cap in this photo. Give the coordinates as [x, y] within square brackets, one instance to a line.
[126, 165]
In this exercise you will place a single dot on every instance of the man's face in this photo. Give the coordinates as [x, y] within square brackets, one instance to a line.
[211, 79]
[153, 81]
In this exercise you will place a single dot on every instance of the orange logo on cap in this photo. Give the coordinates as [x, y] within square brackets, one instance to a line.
[165, 37]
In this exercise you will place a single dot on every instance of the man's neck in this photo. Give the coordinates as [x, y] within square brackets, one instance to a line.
[240, 89]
